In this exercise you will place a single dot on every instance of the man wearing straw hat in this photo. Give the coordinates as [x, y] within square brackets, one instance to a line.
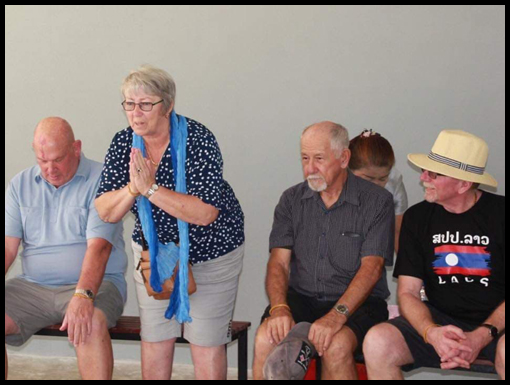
[453, 243]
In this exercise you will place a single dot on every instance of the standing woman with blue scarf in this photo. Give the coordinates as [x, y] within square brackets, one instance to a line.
[168, 171]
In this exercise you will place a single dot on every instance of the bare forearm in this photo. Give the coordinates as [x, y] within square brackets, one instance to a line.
[11, 250]
[398, 227]
[9, 260]
[188, 208]
[415, 311]
[362, 285]
[94, 266]
[114, 205]
[497, 318]
[277, 283]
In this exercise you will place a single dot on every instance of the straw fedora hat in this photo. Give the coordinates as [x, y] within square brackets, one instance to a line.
[457, 154]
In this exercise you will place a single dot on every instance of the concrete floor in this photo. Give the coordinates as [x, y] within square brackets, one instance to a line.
[22, 367]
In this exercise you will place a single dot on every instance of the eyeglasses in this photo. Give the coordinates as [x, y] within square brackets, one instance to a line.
[144, 106]
[431, 174]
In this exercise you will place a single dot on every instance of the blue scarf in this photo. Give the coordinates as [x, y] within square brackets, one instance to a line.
[164, 258]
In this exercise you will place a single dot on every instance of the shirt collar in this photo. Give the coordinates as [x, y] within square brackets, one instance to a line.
[84, 168]
[308, 193]
[349, 192]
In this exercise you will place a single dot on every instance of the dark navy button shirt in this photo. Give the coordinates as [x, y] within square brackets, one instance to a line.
[204, 173]
[328, 245]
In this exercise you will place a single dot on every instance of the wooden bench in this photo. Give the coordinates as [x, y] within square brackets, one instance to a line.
[128, 329]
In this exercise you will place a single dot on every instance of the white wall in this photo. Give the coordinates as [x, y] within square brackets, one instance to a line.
[256, 76]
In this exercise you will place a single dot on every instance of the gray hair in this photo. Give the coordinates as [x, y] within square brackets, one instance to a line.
[338, 133]
[153, 81]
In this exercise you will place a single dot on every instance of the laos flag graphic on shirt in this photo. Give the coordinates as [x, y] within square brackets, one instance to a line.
[462, 260]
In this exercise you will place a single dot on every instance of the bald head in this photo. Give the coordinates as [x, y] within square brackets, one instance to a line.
[58, 153]
[53, 131]
[335, 133]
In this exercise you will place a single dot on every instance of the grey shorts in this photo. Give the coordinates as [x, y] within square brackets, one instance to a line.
[32, 307]
[211, 306]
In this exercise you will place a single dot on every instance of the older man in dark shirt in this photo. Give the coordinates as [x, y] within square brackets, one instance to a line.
[332, 236]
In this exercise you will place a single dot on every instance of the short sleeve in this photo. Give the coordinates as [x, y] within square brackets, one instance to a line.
[205, 167]
[96, 228]
[282, 234]
[13, 221]
[410, 258]
[379, 238]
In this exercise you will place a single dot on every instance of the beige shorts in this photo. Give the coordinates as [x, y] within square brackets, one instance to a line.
[33, 307]
[211, 307]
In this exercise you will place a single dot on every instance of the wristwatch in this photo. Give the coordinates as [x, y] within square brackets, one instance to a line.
[152, 190]
[493, 330]
[87, 293]
[342, 309]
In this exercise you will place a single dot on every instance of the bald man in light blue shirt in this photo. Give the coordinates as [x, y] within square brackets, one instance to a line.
[73, 263]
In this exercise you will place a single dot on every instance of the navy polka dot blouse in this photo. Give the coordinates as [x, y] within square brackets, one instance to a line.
[204, 172]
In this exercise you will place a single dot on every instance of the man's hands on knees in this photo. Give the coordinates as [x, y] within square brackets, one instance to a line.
[78, 320]
[324, 329]
[279, 325]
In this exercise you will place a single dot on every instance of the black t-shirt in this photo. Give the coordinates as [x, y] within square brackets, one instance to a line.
[459, 257]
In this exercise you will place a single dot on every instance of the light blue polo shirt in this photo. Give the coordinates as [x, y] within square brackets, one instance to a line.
[55, 224]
